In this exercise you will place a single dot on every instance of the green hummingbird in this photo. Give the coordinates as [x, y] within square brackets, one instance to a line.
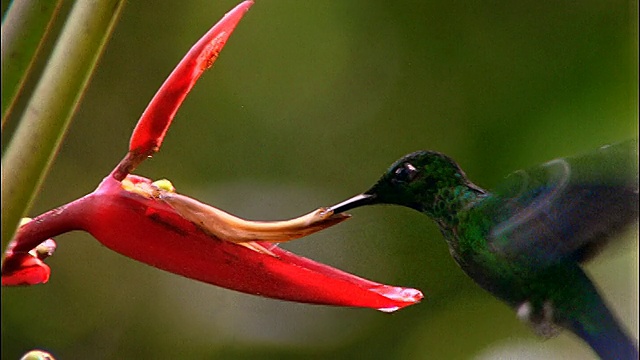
[525, 241]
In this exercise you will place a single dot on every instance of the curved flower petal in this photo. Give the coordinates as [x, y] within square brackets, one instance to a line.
[156, 119]
[152, 232]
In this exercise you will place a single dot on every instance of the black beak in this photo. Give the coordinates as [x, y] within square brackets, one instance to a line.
[354, 202]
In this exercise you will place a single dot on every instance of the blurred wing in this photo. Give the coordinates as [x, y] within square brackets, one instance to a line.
[566, 208]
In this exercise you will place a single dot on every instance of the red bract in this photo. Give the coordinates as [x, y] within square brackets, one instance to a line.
[150, 223]
[156, 119]
[28, 268]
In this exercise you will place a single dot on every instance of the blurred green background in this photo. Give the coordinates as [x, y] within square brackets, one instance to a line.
[308, 104]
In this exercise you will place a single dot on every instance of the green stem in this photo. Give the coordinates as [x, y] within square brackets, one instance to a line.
[52, 104]
[24, 29]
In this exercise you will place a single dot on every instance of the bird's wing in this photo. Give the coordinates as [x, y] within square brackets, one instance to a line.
[566, 208]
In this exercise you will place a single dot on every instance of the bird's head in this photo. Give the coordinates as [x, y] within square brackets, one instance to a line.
[417, 180]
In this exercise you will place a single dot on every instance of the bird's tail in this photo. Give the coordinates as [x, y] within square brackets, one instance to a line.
[600, 329]
[609, 344]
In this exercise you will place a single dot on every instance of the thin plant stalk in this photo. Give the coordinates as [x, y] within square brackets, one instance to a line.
[51, 106]
[24, 29]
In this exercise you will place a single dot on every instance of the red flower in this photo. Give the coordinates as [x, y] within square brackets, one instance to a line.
[151, 223]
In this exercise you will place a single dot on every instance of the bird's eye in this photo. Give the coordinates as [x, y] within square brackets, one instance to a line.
[406, 173]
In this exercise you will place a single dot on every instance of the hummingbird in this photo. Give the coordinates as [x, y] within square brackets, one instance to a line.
[525, 242]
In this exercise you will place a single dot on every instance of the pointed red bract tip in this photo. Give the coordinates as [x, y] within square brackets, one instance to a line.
[154, 122]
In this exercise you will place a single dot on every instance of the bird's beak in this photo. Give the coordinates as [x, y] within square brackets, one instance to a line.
[354, 202]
